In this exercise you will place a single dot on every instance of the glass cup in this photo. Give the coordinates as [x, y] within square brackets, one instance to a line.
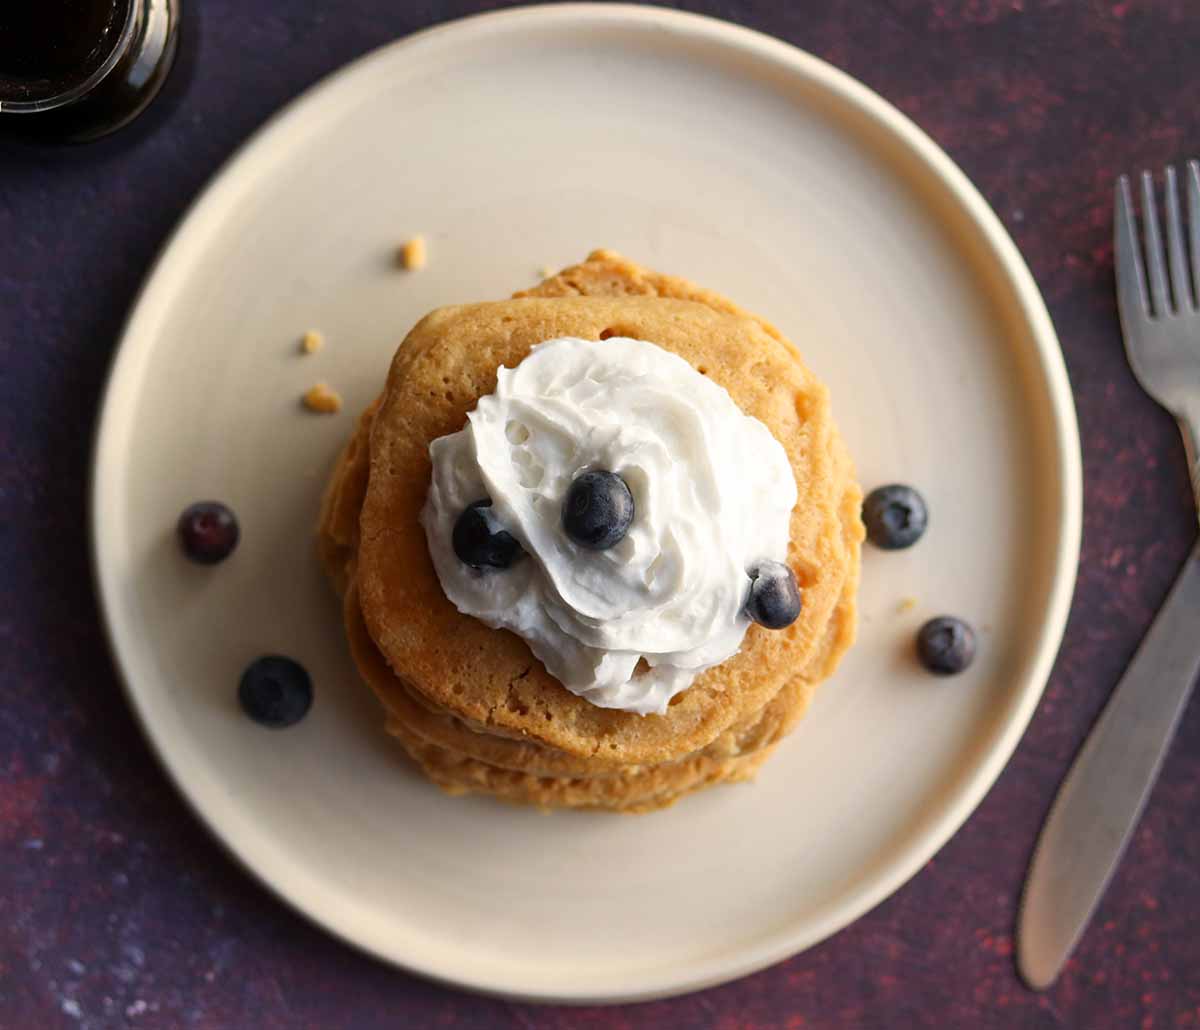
[75, 70]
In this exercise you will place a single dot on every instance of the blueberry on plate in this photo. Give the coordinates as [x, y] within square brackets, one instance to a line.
[598, 510]
[946, 645]
[481, 541]
[774, 600]
[275, 691]
[208, 532]
[895, 516]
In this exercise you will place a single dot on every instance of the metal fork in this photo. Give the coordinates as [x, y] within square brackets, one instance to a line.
[1163, 342]
[1101, 800]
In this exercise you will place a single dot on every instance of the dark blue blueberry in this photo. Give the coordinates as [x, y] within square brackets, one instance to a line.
[208, 532]
[774, 600]
[946, 645]
[481, 541]
[598, 510]
[895, 516]
[275, 691]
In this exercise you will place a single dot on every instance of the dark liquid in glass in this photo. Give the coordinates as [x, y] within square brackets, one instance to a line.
[48, 47]
[75, 69]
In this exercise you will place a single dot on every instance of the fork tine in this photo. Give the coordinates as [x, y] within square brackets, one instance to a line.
[1131, 282]
[1176, 256]
[1194, 225]
[1154, 249]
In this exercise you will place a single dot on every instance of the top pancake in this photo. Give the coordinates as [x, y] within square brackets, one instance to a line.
[488, 677]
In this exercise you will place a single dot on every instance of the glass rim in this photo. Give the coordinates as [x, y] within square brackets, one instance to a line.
[81, 88]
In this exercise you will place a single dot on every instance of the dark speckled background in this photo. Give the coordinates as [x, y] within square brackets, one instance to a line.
[116, 907]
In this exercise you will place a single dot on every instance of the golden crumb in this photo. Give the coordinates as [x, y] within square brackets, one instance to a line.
[546, 272]
[322, 399]
[906, 604]
[311, 342]
[412, 254]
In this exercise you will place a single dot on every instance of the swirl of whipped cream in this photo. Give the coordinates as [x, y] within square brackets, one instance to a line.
[713, 493]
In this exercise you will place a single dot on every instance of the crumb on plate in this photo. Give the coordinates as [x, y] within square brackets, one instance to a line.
[322, 399]
[312, 341]
[907, 604]
[412, 253]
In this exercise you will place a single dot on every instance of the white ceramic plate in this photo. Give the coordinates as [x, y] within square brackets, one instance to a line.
[513, 141]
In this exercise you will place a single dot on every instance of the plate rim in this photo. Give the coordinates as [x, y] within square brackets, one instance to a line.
[1045, 350]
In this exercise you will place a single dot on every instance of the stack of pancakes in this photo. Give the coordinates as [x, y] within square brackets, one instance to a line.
[471, 705]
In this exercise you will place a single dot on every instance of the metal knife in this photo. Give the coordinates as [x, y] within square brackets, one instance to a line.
[1101, 800]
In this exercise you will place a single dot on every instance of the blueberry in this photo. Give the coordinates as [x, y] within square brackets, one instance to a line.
[598, 510]
[208, 532]
[895, 516]
[946, 645]
[774, 600]
[275, 691]
[481, 541]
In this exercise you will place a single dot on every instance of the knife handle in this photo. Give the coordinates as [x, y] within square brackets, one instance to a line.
[1102, 797]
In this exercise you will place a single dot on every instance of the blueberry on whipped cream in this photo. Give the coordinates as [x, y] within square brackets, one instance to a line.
[774, 600]
[481, 541]
[598, 510]
[624, 599]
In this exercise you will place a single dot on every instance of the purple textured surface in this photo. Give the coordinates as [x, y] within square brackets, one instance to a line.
[118, 909]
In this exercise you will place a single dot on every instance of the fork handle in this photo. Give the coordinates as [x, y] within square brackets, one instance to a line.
[1191, 446]
[1101, 799]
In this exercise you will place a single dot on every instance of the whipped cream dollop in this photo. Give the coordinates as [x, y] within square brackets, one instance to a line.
[713, 492]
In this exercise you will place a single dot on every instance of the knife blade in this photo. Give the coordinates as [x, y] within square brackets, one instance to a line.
[1100, 801]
